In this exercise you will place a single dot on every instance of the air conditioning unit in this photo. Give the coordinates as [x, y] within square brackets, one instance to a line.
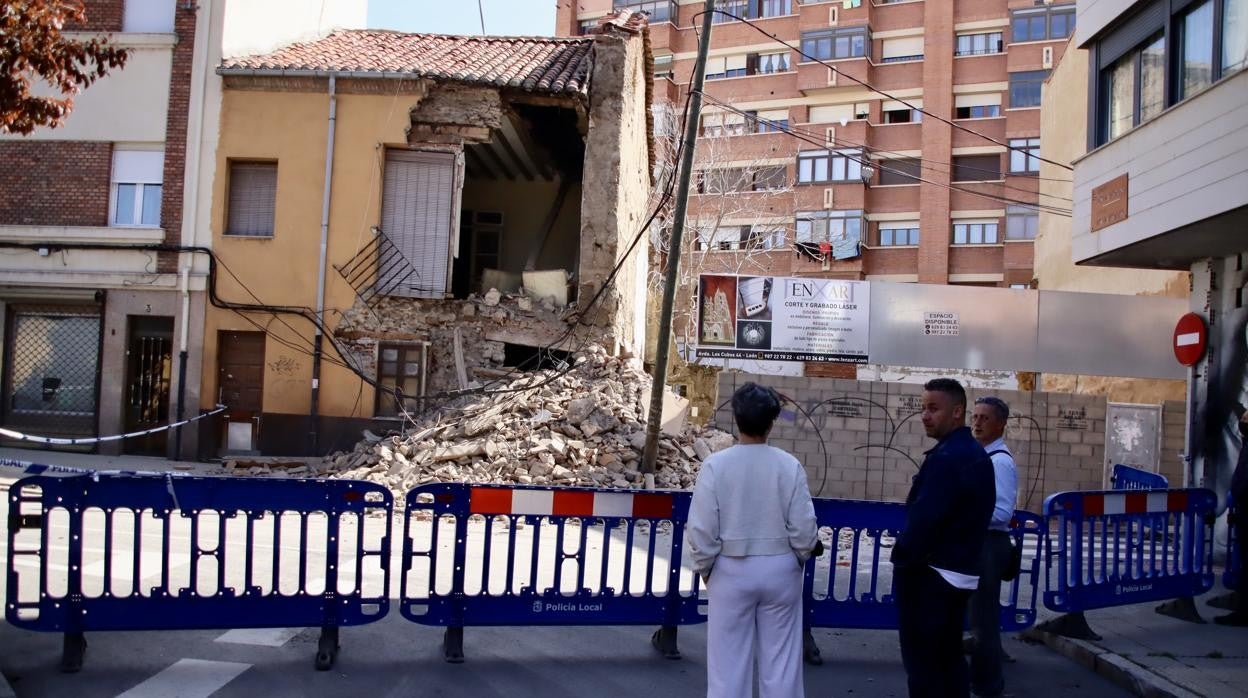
[827, 197]
[1047, 56]
[831, 137]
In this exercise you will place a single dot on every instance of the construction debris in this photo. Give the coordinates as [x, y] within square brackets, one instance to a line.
[584, 426]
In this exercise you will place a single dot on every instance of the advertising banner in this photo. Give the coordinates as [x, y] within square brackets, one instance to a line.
[781, 318]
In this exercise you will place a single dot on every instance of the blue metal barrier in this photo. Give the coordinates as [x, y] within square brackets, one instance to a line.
[850, 586]
[1126, 477]
[133, 551]
[478, 555]
[1102, 549]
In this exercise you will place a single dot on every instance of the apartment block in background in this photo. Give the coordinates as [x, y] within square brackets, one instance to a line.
[864, 185]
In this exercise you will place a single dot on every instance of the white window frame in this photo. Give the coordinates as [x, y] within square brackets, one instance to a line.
[892, 226]
[1030, 160]
[142, 169]
[984, 222]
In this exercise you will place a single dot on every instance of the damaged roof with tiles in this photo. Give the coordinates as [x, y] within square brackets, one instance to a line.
[543, 65]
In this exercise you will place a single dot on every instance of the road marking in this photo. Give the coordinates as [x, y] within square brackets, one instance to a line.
[188, 678]
[264, 637]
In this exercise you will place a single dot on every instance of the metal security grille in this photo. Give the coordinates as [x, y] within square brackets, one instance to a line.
[378, 269]
[52, 364]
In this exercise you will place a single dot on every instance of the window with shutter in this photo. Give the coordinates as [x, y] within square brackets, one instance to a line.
[417, 208]
[252, 199]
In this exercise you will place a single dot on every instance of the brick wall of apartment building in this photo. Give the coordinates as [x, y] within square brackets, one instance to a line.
[175, 135]
[102, 16]
[54, 182]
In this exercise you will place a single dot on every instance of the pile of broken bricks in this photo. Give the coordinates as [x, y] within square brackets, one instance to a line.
[581, 427]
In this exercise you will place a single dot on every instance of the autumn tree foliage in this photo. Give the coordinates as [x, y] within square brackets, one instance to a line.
[34, 49]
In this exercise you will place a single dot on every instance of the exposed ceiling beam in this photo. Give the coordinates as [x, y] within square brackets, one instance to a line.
[487, 154]
[534, 159]
[474, 161]
[541, 161]
[501, 142]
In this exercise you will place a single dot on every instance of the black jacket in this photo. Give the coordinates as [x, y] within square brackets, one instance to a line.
[949, 507]
[1239, 479]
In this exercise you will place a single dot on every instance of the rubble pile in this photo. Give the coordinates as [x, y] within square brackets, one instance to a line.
[582, 427]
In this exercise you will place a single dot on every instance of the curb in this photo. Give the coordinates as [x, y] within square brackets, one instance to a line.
[1118, 669]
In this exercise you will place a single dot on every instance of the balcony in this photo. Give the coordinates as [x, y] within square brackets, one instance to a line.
[897, 75]
[971, 70]
[1029, 56]
[1019, 254]
[896, 198]
[993, 128]
[969, 198]
[729, 34]
[977, 10]
[976, 259]
[821, 14]
[1022, 122]
[809, 197]
[891, 260]
[749, 147]
[665, 35]
[896, 137]
[900, 15]
[812, 76]
[754, 87]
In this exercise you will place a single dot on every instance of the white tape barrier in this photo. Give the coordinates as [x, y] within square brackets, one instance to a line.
[56, 441]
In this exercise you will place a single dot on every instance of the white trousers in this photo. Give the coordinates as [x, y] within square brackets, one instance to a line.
[755, 599]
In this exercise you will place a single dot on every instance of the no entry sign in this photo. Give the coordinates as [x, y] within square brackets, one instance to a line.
[1190, 338]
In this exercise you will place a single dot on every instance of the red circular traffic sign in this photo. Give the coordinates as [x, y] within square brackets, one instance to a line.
[1190, 338]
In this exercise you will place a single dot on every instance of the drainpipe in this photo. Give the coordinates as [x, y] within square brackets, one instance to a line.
[204, 37]
[182, 342]
[319, 339]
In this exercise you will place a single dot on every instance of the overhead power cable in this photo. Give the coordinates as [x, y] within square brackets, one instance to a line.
[840, 142]
[878, 91]
[875, 164]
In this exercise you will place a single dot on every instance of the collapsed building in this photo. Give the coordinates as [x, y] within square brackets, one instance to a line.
[407, 216]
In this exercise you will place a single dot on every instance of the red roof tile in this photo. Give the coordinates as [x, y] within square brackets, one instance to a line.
[534, 64]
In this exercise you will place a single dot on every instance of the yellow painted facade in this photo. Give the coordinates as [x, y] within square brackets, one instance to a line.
[290, 128]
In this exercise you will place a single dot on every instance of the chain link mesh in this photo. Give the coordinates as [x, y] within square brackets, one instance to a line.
[52, 376]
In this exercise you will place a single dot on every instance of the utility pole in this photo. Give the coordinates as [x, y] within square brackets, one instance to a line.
[654, 420]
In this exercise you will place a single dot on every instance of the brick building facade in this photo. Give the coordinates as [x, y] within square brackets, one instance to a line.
[92, 310]
[945, 204]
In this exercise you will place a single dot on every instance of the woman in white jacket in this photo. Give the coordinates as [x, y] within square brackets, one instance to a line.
[751, 529]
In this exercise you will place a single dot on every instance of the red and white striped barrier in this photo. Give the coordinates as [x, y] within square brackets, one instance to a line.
[525, 502]
[1141, 502]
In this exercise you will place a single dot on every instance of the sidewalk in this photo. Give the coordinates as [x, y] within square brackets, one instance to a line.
[1155, 655]
[92, 461]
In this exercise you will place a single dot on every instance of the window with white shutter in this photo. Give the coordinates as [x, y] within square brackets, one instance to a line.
[418, 212]
[136, 187]
[252, 202]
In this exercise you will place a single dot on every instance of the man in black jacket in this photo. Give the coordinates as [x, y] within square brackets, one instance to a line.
[937, 555]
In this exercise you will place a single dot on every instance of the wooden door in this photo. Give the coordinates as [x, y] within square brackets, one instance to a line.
[240, 386]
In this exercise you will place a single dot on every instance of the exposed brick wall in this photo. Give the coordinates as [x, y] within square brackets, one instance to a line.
[175, 135]
[102, 16]
[54, 182]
